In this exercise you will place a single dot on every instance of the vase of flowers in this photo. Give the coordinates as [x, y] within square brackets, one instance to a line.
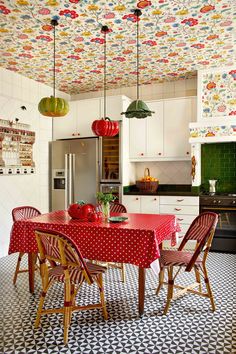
[104, 200]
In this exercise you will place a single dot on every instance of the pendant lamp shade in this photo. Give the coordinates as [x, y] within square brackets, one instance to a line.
[137, 108]
[53, 106]
[105, 126]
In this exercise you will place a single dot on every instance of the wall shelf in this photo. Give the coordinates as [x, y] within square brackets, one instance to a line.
[16, 148]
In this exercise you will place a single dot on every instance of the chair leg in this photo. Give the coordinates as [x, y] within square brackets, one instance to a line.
[209, 291]
[67, 309]
[161, 280]
[40, 307]
[170, 289]
[123, 273]
[102, 296]
[17, 267]
[198, 278]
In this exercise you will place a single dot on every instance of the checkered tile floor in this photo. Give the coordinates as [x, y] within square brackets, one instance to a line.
[189, 328]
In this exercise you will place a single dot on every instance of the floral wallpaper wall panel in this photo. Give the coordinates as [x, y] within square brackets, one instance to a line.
[177, 38]
[219, 93]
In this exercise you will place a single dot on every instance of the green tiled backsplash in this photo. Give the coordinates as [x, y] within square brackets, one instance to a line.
[219, 162]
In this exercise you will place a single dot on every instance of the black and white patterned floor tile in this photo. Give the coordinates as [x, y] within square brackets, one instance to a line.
[189, 328]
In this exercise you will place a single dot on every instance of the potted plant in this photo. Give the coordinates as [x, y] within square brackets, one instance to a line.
[104, 200]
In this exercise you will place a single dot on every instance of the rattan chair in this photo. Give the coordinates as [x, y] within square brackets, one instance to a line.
[22, 213]
[202, 231]
[115, 208]
[71, 269]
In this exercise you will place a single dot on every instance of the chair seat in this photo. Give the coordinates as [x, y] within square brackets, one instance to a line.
[76, 274]
[177, 258]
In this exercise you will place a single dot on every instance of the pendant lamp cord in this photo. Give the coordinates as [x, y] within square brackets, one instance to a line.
[54, 23]
[105, 30]
[105, 64]
[137, 55]
[54, 62]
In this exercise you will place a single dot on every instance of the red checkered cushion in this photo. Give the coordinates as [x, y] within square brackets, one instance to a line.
[76, 274]
[177, 258]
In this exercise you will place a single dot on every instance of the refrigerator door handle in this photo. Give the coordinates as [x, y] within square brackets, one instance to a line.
[71, 178]
[66, 180]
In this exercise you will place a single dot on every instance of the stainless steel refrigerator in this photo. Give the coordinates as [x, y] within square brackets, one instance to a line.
[74, 167]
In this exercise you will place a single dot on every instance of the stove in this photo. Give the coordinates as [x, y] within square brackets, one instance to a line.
[224, 204]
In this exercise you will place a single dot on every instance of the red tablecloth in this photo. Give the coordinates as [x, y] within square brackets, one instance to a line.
[135, 241]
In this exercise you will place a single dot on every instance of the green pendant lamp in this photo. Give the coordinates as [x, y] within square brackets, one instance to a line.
[137, 108]
[53, 106]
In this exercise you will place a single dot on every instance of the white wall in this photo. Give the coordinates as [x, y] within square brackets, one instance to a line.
[16, 190]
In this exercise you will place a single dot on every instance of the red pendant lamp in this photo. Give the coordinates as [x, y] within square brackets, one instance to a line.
[105, 126]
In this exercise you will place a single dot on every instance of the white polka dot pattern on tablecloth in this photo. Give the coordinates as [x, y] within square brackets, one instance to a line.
[135, 241]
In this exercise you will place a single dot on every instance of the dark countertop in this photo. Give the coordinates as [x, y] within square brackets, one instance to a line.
[164, 189]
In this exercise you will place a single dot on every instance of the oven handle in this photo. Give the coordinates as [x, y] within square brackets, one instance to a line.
[216, 208]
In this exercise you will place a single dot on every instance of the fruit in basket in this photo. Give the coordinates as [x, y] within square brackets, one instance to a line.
[147, 183]
[149, 179]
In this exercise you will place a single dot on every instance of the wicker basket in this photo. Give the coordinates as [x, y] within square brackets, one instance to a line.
[147, 186]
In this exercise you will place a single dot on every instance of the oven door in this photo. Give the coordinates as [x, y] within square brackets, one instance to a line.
[225, 235]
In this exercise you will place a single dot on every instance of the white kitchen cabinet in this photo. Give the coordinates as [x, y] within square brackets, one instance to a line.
[63, 127]
[132, 203]
[149, 204]
[87, 111]
[144, 204]
[186, 209]
[164, 135]
[146, 135]
[178, 114]
[82, 113]
[137, 138]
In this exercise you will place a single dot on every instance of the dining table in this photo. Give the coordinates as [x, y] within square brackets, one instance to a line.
[136, 240]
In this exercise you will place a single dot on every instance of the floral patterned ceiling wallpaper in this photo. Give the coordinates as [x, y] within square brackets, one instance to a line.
[177, 37]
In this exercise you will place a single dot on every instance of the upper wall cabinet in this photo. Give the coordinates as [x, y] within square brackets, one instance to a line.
[63, 127]
[77, 123]
[87, 112]
[164, 135]
[178, 113]
[146, 135]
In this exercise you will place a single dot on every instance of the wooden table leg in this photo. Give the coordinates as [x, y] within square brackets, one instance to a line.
[141, 290]
[31, 267]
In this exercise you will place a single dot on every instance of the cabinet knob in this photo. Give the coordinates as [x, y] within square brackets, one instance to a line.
[136, 198]
[187, 152]
[155, 198]
[159, 153]
[180, 200]
[142, 154]
[179, 219]
[177, 209]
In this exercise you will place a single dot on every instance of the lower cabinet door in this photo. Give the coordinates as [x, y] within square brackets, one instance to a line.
[132, 203]
[150, 204]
